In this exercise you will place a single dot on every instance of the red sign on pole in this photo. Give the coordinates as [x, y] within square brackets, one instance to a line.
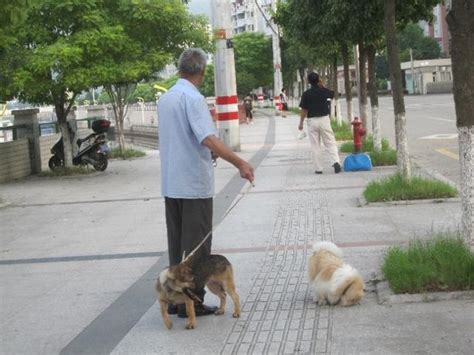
[220, 33]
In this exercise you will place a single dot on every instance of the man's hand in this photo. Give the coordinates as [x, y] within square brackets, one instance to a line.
[219, 149]
[246, 171]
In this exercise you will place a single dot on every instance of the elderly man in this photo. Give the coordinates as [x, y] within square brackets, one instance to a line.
[187, 138]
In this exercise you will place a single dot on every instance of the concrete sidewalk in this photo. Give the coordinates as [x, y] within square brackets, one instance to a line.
[79, 258]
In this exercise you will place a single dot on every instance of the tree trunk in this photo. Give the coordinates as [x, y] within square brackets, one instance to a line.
[303, 84]
[403, 158]
[466, 158]
[461, 26]
[118, 95]
[374, 99]
[363, 84]
[335, 103]
[347, 82]
[66, 133]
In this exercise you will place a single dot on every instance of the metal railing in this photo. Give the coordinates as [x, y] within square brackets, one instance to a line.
[10, 133]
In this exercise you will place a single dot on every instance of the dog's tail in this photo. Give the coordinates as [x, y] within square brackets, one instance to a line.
[348, 287]
[331, 247]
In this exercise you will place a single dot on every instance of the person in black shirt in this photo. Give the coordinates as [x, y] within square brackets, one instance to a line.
[248, 108]
[314, 107]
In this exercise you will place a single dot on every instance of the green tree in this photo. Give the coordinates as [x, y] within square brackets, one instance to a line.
[400, 13]
[253, 61]
[57, 47]
[207, 87]
[155, 33]
[104, 98]
[423, 47]
[315, 24]
[11, 13]
[146, 91]
[460, 20]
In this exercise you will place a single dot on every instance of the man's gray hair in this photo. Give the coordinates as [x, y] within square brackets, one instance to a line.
[192, 61]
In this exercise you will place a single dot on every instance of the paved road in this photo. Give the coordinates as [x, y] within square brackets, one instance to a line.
[431, 127]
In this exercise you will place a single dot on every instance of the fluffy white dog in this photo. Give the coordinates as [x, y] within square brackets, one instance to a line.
[333, 280]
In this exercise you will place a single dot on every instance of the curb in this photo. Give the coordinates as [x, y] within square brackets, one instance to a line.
[435, 175]
[362, 202]
[385, 296]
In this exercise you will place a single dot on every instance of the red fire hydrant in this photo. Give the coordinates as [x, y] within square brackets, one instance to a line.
[358, 133]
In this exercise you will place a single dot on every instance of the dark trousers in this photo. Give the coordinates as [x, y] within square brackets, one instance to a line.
[248, 113]
[188, 221]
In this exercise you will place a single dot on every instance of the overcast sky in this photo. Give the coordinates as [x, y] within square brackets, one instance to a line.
[200, 7]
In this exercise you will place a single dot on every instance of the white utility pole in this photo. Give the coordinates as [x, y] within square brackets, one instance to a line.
[224, 69]
[277, 76]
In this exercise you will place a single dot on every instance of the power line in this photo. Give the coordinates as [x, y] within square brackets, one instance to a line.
[265, 18]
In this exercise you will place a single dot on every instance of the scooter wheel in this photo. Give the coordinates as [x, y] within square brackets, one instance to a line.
[54, 163]
[101, 162]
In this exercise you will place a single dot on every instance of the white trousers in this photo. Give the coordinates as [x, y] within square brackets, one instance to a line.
[320, 129]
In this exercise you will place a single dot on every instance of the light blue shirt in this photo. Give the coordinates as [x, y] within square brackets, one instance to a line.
[184, 122]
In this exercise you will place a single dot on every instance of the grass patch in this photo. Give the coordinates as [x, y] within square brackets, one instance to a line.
[65, 171]
[397, 188]
[444, 263]
[383, 157]
[343, 136]
[387, 156]
[367, 145]
[126, 154]
[342, 132]
[295, 110]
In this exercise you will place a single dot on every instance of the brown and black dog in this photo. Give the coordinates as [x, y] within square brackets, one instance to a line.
[176, 284]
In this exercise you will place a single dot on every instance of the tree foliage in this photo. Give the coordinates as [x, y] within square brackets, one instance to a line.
[253, 61]
[156, 32]
[423, 47]
[61, 48]
[208, 88]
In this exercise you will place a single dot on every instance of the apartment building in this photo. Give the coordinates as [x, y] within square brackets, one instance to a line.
[438, 29]
[251, 15]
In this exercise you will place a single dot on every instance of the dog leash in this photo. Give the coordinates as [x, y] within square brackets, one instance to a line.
[185, 258]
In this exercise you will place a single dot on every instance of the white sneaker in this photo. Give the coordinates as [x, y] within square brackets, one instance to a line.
[302, 135]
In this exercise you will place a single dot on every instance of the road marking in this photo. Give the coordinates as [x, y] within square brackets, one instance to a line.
[448, 153]
[434, 118]
[62, 259]
[441, 136]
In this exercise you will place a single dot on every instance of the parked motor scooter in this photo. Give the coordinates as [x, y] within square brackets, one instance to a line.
[93, 149]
